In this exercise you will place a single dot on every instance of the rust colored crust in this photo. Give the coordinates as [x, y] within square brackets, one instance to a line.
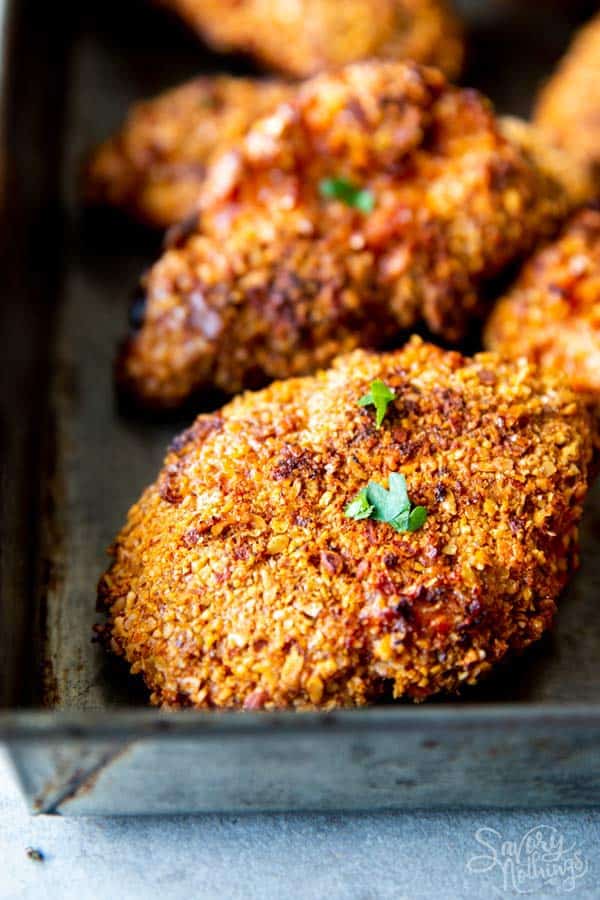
[274, 280]
[308, 36]
[239, 582]
[153, 168]
[568, 108]
[552, 314]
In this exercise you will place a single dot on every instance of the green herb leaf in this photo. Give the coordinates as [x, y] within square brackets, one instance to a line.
[417, 518]
[392, 506]
[350, 194]
[359, 508]
[401, 522]
[387, 505]
[380, 396]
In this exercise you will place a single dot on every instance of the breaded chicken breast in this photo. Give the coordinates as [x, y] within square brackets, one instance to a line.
[303, 37]
[568, 108]
[276, 561]
[154, 166]
[552, 313]
[377, 198]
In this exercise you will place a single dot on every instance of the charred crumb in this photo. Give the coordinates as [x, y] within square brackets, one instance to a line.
[196, 433]
[440, 492]
[296, 462]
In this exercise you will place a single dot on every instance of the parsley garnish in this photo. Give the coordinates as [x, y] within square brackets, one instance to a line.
[360, 508]
[380, 396]
[391, 506]
[348, 193]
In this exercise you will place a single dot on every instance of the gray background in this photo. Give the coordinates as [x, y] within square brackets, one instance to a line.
[399, 855]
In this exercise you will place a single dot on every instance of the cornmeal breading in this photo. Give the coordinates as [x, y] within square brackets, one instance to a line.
[303, 37]
[238, 580]
[275, 276]
[568, 108]
[154, 166]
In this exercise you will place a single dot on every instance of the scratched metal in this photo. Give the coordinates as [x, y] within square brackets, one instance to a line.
[74, 463]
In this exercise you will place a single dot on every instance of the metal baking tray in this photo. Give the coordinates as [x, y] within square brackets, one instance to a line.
[77, 727]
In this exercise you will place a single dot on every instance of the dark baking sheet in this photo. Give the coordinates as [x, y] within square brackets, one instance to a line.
[73, 463]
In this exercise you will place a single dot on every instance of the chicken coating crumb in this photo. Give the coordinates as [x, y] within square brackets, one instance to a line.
[238, 580]
[307, 36]
[568, 107]
[154, 166]
[552, 313]
[273, 279]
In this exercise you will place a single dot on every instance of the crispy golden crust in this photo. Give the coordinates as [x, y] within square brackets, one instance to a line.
[303, 37]
[568, 108]
[274, 280]
[239, 582]
[154, 166]
[552, 314]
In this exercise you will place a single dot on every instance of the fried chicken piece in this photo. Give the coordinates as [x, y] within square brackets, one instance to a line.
[154, 167]
[303, 37]
[238, 580]
[552, 314]
[568, 107]
[275, 276]
[557, 163]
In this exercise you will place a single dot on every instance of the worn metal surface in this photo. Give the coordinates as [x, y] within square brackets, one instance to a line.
[423, 855]
[95, 748]
[382, 758]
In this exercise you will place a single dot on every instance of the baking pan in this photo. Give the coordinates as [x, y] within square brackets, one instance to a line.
[77, 727]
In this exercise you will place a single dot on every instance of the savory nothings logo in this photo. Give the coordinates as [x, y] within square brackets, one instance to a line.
[541, 859]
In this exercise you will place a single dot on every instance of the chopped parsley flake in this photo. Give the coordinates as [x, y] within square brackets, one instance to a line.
[359, 508]
[350, 194]
[392, 506]
[380, 396]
